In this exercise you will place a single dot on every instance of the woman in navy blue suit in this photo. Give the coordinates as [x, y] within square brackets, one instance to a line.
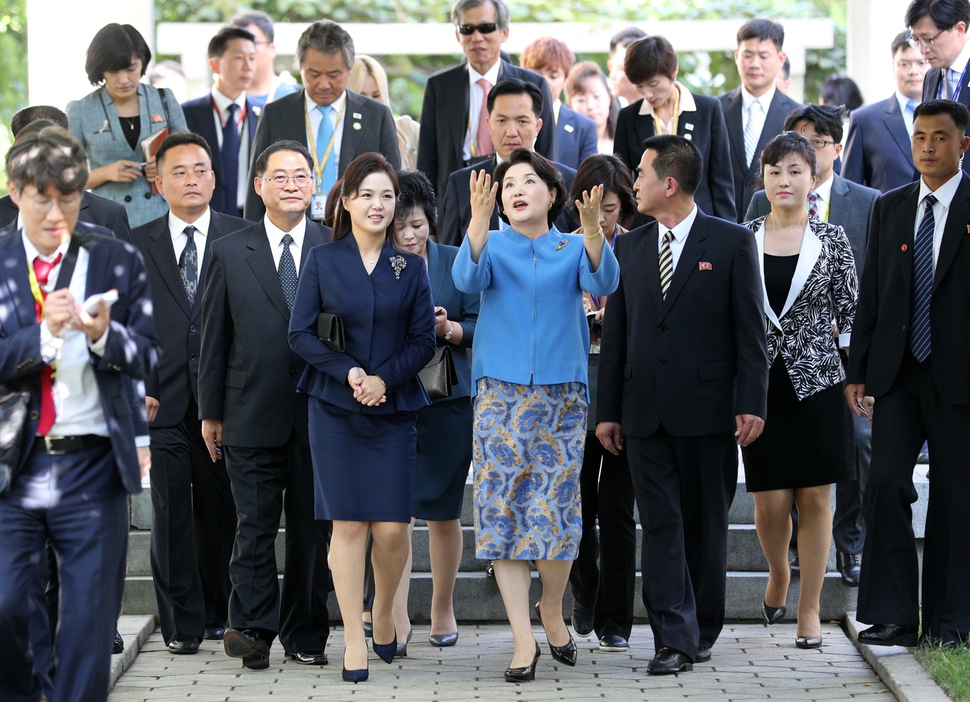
[363, 400]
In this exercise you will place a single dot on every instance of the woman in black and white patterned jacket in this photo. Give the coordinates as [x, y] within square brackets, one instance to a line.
[810, 289]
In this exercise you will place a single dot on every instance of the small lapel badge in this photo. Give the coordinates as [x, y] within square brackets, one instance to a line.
[568, 128]
[156, 118]
[688, 137]
[905, 248]
[357, 126]
[968, 229]
[705, 266]
[257, 110]
[561, 244]
[689, 127]
[357, 115]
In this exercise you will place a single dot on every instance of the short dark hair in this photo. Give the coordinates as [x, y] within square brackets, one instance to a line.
[609, 171]
[786, 68]
[762, 30]
[416, 191]
[220, 42]
[546, 171]
[900, 41]
[113, 48]
[501, 11]
[514, 86]
[945, 14]
[579, 74]
[260, 19]
[842, 92]
[361, 167]
[649, 57]
[625, 37]
[676, 158]
[49, 157]
[957, 111]
[32, 113]
[789, 144]
[262, 162]
[181, 139]
[826, 118]
[327, 37]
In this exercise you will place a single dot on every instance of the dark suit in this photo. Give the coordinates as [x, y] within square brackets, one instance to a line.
[456, 206]
[931, 90]
[286, 119]
[576, 137]
[201, 120]
[706, 128]
[747, 177]
[94, 210]
[193, 515]
[916, 402]
[444, 121]
[878, 151]
[88, 522]
[247, 379]
[674, 373]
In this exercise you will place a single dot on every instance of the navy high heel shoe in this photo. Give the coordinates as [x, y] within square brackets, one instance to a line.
[386, 651]
[355, 676]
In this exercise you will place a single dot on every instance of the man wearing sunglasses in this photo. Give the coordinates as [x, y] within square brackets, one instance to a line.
[454, 119]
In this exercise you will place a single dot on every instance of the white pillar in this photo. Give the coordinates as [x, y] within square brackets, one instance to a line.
[871, 27]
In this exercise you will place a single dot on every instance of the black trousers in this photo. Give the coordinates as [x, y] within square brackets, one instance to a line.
[193, 528]
[684, 488]
[912, 412]
[603, 576]
[849, 524]
[265, 483]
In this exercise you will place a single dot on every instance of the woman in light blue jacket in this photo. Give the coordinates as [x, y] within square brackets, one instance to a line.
[112, 122]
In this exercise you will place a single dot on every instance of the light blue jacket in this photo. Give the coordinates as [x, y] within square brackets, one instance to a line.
[532, 327]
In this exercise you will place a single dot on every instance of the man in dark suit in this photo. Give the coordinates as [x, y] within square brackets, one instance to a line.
[878, 150]
[755, 111]
[513, 107]
[343, 124]
[683, 380]
[453, 129]
[193, 515]
[910, 345]
[850, 206]
[250, 409]
[225, 119]
[77, 458]
[938, 28]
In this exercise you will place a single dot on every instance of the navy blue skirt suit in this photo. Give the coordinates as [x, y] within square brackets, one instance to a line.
[363, 457]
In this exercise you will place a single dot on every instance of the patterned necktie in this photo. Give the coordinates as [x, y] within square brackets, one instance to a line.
[813, 204]
[287, 272]
[922, 290]
[483, 140]
[947, 87]
[230, 161]
[48, 413]
[666, 264]
[324, 135]
[752, 131]
[189, 266]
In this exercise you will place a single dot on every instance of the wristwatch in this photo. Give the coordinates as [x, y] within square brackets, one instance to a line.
[451, 330]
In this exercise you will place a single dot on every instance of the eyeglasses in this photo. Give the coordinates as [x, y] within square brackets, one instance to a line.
[917, 42]
[300, 179]
[483, 28]
[65, 206]
[820, 144]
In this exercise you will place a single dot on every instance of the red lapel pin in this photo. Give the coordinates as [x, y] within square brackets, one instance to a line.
[705, 266]
[905, 247]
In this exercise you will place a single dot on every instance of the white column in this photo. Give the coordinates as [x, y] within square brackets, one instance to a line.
[871, 27]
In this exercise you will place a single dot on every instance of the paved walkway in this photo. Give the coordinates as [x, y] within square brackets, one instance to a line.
[750, 662]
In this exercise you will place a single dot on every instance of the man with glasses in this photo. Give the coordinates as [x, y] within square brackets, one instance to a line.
[250, 410]
[454, 119]
[878, 152]
[193, 515]
[266, 85]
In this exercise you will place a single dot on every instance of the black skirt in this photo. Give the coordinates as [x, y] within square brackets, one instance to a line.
[444, 459]
[804, 443]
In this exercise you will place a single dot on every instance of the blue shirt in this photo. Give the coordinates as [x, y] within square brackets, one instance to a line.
[532, 327]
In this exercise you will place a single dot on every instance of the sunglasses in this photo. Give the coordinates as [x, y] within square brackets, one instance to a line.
[484, 28]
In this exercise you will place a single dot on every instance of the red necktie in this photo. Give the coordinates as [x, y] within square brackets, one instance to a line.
[42, 269]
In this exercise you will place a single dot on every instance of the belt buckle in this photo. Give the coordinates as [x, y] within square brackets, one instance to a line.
[49, 447]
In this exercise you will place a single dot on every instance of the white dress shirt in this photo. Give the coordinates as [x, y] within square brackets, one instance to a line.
[316, 118]
[275, 236]
[220, 116]
[476, 96]
[680, 231]
[944, 196]
[746, 100]
[176, 227]
[824, 202]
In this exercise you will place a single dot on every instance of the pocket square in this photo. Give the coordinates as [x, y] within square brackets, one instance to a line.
[705, 266]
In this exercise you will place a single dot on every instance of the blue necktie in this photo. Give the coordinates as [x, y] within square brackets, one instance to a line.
[922, 290]
[230, 162]
[287, 272]
[189, 266]
[324, 134]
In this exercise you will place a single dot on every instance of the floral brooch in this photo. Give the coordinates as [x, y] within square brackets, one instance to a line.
[398, 264]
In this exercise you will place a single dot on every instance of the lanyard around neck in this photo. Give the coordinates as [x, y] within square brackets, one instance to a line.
[320, 164]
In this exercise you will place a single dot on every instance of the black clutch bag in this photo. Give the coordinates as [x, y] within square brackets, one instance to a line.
[330, 330]
[13, 420]
[439, 375]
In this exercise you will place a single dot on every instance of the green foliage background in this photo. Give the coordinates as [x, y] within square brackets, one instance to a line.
[13, 68]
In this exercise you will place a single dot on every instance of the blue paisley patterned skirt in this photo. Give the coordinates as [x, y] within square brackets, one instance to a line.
[527, 456]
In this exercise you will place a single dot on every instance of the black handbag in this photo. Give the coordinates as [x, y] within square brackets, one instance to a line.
[330, 330]
[439, 375]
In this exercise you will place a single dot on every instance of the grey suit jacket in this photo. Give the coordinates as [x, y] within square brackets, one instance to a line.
[851, 208]
[878, 151]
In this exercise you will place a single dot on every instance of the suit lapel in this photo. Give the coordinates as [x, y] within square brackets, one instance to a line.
[774, 124]
[261, 262]
[314, 236]
[351, 137]
[252, 120]
[689, 257]
[759, 237]
[646, 254]
[955, 230]
[16, 279]
[732, 115]
[907, 232]
[644, 125]
[163, 254]
[897, 127]
[839, 202]
[454, 125]
[931, 84]
[207, 125]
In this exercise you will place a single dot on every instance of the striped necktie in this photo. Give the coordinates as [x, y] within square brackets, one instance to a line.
[922, 290]
[752, 131]
[666, 264]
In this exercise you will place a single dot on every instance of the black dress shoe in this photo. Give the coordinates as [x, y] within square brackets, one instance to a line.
[525, 673]
[703, 655]
[613, 643]
[186, 646]
[582, 621]
[669, 660]
[214, 633]
[490, 570]
[567, 654]
[443, 640]
[247, 644]
[772, 615]
[850, 565]
[889, 635]
[119, 644]
[308, 658]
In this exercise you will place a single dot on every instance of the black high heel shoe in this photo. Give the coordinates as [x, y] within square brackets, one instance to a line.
[772, 615]
[564, 654]
[808, 641]
[386, 651]
[526, 673]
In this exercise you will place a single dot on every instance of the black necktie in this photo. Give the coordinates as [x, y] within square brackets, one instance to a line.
[287, 271]
[189, 266]
[230, 161]
[922, 290]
